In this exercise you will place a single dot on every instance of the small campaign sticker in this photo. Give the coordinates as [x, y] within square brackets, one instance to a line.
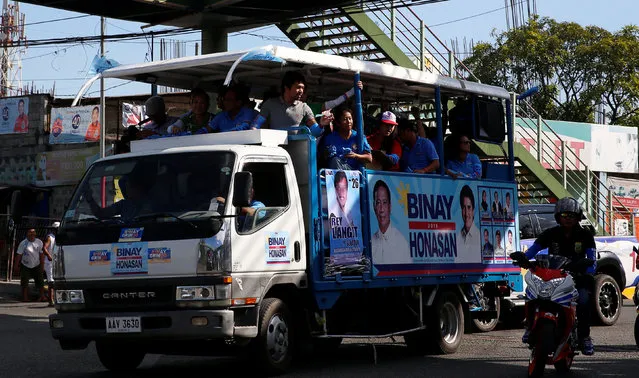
[131, 234]
[100, 257]
[277, 248]
[159, 255]
[129, 258]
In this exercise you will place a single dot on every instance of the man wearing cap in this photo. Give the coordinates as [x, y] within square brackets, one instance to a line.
[49, 255]
[156, 112]
[385, 147]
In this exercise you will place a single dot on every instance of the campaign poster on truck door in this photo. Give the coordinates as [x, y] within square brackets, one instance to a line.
[424, 225]
[342, 191]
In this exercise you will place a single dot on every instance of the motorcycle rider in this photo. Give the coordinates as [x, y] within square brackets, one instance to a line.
[570, 240]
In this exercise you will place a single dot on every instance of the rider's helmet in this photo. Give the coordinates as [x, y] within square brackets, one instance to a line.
[568, 205]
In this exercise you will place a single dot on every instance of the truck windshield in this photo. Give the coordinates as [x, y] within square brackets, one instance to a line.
[156, 188]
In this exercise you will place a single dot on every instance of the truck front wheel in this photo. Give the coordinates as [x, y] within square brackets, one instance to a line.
[273, 345]
[119, 357]
[447, 325]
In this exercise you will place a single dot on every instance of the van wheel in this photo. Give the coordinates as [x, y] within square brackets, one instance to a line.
[607, 300]
[119, 357]
[447, 325]
[274, 343]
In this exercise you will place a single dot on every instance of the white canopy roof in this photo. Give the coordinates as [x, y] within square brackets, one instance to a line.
[261, 68]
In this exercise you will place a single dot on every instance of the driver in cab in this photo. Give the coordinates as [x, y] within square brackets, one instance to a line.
[570, 240]
[134, 187]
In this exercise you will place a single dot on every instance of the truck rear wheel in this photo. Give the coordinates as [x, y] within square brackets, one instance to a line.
[487, 325]
[119, 357]
[274, 343]
[607, 300]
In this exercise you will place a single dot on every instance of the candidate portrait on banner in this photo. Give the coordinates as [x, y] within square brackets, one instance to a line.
[388, 244]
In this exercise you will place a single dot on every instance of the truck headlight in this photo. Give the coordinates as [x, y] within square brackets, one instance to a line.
[69, 297]
[195, 293]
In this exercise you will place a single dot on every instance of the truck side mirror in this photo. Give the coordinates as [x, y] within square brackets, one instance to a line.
[242, 189]
[16, 206]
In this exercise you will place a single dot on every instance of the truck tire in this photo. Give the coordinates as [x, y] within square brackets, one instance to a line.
[607, 300]
[119, 357]
[446, 326]
[482, 325]
[274, 343]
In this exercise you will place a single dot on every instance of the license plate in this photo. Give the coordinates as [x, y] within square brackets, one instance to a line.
[128, 324]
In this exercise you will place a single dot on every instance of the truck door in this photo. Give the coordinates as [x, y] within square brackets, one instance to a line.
[272, 237]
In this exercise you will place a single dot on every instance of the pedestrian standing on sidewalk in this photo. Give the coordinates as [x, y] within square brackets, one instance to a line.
[49, 253]
[30, 259]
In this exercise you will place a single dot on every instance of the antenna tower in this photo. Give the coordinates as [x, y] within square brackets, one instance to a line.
[13, 45]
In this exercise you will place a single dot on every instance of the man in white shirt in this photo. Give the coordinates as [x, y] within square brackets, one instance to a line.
[29, 257]
[468, 238]
[389, 245]
[49, 253]
[510, 247]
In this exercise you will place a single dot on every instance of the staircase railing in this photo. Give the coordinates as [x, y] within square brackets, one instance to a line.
[564, 163]
[404, 27]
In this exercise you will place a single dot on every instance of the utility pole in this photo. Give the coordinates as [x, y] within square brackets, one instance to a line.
[102, 96]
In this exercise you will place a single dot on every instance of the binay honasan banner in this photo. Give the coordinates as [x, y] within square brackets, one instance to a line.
[77, 124]
[15, 115]
[430, 225]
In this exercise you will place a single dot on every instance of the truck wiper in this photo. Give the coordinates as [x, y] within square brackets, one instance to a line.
[95, 220]
[163, 215]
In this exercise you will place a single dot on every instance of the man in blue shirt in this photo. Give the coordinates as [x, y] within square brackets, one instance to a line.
[236, 115]
[419, 153]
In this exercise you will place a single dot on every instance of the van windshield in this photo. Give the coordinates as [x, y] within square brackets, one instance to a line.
[156, 188]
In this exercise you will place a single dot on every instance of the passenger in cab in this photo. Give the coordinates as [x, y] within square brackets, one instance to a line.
[461, 163]
[160, 121]
[341, 149]
[196, 120]
[386, 149]
[236, 116]
[288, 110]
[419, 154]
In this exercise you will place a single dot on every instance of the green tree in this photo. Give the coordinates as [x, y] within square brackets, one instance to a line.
[575, 67]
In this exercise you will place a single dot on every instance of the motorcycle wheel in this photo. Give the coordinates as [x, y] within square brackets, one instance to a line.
[563, 366]
[637, 330]
[544, 345]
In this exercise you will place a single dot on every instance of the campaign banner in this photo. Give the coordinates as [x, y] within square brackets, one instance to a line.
[132, 114]
[64, 167]
[76, 124]
[15, 115]
[417, 223]
[342, 191]
[626, 192]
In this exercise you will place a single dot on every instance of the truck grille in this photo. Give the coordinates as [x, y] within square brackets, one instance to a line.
[130, 297]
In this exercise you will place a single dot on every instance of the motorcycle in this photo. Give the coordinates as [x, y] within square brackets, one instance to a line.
[635, 299]
[552, 302]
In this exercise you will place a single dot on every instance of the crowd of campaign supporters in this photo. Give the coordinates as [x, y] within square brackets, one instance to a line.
[392, 143]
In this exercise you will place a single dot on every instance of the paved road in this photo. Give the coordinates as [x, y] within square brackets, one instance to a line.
[27, 350]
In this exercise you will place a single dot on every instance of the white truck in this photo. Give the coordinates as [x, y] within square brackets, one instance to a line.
[157, 255]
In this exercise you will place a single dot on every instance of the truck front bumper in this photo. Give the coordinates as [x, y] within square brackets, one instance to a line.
[164, 325]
